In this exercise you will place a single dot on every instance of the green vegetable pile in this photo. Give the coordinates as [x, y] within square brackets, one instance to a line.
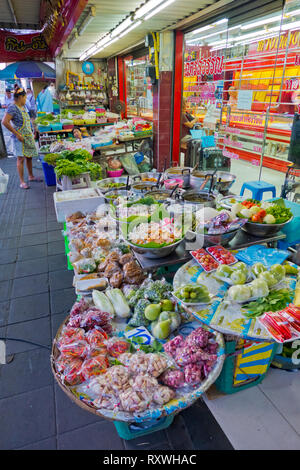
[281, 213]
[276, 300]
[193, 294]
[73, 163]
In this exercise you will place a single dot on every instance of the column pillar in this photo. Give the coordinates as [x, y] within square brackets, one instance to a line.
[162, 103]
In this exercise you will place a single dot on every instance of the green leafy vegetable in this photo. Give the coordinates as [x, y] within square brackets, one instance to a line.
[155, 347]
[281, 213]
[276, 300]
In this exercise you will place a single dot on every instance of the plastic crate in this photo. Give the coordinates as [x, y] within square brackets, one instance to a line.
[67, 249]
[246, 365]
[133, 430]
[57, 126]
[49, 173]
[44, 128]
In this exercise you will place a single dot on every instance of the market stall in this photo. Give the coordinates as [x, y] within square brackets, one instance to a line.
[127, 320]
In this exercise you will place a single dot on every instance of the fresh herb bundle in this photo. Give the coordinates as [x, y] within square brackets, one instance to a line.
[276, 300]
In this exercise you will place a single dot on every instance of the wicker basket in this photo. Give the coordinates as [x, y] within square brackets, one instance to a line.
[165, 410]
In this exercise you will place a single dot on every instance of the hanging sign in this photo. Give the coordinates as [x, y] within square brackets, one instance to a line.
[15, 47]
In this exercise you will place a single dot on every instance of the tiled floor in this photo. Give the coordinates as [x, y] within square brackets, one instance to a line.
[36, 294]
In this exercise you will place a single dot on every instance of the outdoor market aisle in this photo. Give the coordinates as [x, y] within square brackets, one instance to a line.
[265, 417]
[36, 294]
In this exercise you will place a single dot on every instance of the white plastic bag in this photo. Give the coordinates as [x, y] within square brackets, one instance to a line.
[3, 181]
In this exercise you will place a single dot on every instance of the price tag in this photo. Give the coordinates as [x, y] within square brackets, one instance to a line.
[255, 162]
[140, 332]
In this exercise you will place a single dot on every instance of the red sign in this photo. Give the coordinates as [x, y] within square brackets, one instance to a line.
[211, 65]
[292, 84]
[280, 42]
[15, 47]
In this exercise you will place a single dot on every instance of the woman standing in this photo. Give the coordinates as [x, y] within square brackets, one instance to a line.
[17, 121]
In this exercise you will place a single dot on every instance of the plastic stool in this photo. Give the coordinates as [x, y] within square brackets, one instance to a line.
[258, 188]
[134, 430]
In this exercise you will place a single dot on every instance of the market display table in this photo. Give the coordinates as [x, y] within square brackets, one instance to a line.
[180, 255]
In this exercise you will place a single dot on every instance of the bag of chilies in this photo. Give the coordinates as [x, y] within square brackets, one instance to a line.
[283, 325]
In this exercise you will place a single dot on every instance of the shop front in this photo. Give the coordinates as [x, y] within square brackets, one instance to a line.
[241, 83]
[139, 95]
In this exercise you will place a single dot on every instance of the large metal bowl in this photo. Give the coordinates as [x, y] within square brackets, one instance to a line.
[143, 177]
[204, 197]
[223, 181]
[263, 230]
[210, 240]
[120, 179]
[222, 239]
[155, 252]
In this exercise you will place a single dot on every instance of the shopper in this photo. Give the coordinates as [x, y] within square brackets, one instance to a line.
[30, 103]
[9, 99]
[17, 121]
[44, 101]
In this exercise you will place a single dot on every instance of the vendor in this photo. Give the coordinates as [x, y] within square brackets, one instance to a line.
[77, 133]
[187, 123]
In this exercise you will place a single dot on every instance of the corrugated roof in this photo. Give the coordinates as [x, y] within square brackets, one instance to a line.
[26, 13]
[111, 12]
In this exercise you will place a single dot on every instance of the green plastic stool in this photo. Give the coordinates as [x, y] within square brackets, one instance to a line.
[134, 430]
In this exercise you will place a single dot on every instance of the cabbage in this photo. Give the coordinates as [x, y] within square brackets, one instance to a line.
[224, 271]
[118, 302]
[241, 267]
[278, 271]
[239, 293]
[238, 277]
[269, 278]
[258, 268]
[259, 288]
[236, 208]
[246, 213]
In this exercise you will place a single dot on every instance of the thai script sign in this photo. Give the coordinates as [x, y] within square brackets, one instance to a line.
[16, 47]
[211, 65]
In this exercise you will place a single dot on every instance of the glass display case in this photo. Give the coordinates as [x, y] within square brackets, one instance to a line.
[242, 81]
[139, 97]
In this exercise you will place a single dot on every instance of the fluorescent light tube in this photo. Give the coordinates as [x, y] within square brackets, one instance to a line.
[224, 20]
[147, 7]
[124, 25]
[209, 26]
[130, 29]
[158, 9]
[261, 22]
[218, 32]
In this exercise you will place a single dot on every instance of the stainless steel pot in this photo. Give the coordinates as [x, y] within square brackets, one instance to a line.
[182, 171]
[142, 188]
[103, 184]
[223, 181]
[143, 177]
[200, 197]
[160, 195]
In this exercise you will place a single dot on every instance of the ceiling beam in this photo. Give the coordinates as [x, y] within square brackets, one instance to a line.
[197, 16]
[12, 11]
[6, 25]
